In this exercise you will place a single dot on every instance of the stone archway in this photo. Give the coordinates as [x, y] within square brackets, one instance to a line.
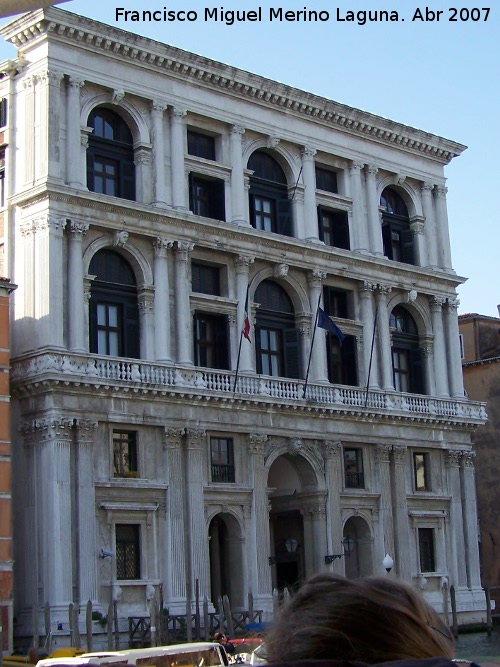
[358, 540]
[226, 560]
[296, 522]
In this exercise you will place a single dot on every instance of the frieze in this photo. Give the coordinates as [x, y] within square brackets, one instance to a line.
[84, 33]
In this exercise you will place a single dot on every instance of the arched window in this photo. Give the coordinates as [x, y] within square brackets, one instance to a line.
[110, 155]
[396, 232]
[114, 313]
[270, 208]
[277, 339]
[406, 357]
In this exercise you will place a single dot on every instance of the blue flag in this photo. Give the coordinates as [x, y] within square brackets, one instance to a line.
[324, 322]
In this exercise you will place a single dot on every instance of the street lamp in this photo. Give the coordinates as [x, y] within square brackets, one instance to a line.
[348, 544]
[388, 563]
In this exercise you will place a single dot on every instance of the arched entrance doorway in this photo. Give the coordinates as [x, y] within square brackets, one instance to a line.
[226, 560]
[297, 521]
[358, 541]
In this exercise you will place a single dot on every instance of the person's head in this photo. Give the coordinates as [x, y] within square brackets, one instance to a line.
[375, 619]
[219, 637]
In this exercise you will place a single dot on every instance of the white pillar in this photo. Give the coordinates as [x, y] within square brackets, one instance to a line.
[318, 371]
[260, 520]
[237, 176]
[242, 265]
[400, 513]
[374, 227]
[382, 461]
[145, 301]
[359, 238]
[469, 506]
[48, 286]
[426, 352]
[444, 259]
[179, 200]
[452, 463]
[332, 454]
[197, 533]
[158, 141]
[174, 563]
[430, 223]
[76, 299]
[162, 299]
[85, 512]
[368, 318]
[183, 324]
[309, 179]
[418, 229]
[56, 160]
[440, 366]
[29, 130]
[73, 134]
[384, 337]
[453, 349]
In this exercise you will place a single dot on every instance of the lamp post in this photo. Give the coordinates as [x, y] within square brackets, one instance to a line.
[348, 544]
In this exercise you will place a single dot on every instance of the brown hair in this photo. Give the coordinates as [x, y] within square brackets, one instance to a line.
[375, 619]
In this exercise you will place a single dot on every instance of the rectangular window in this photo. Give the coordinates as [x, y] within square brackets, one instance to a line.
[222, 461]
[326, 179]
[334, 228]
[336, 302]
[201, 145]
[400, 370]
[105, 176]
[108, 329]
[421, 471]
[265, 213]
[342, 360]
[426, 549]
[125, 454]
[353, 468]
[211, 348]
[207, 197]
[128, 562]
[205, 279]
[271, 351]
[3, 112]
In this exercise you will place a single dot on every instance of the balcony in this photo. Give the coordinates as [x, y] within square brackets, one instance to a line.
[101, 373]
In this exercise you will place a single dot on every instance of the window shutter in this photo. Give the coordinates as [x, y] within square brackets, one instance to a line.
[221, 343]
[341, 230]
[128, 179]
[218, 203]
[284, 217]
[93, 326]
[320, 225]
[90, 170]
[416, 371]
[407, 250]
[131, 343]
[291, 353]
[349, 365]
[251, 205]
[387, 240]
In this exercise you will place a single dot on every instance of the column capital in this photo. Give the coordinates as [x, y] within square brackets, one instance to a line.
[436, 302]
[172, 437]
[307, 153]
[371, 170]
[331, 449]
[399, 453]
[356, 166]
[382, 453]
[315, 277]
[161, 246]
[452, 458]
[441, 191]
[243, 263]
[452, 303]
[75, 83]
[427, 187]
[366, 289]
[195, 438]
[257, 443]
[77, 228]
[381, 291]
[468, 457]
[157, 107]
[177, 113]
[237, 130]
[86, 429]
[182, 249]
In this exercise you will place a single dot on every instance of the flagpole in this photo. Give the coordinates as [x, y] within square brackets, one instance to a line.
[371, 355]
[311, 349]
[241, 339]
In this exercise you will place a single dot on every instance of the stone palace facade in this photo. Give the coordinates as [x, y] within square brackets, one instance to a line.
[148, 193]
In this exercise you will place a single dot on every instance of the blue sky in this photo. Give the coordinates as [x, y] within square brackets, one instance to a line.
[442, 77]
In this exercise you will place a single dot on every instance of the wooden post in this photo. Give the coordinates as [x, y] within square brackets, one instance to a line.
[454, 611]
[110, 624]
[70, 620]
[229, 617]
[489, 623]
[206, 619]
[115, 621]
[76, 627]
[189, 628]
[48, 631]
[197, 631]
[152, 618]
[88, 626]
[36, 633]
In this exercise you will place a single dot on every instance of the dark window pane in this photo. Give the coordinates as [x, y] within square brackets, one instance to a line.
[221, 454]
[128, 551]
[426, 549]
[353, 468]
[207, 197]
[201, 145]
[205, 279]
[211, 342]
[334, 228]
[266, 167]
[326, 179]
[421, 471]
[125, 454]
[336, 302]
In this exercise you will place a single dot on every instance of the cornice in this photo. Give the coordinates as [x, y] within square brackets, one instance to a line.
[145, 220]
[58, 25]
